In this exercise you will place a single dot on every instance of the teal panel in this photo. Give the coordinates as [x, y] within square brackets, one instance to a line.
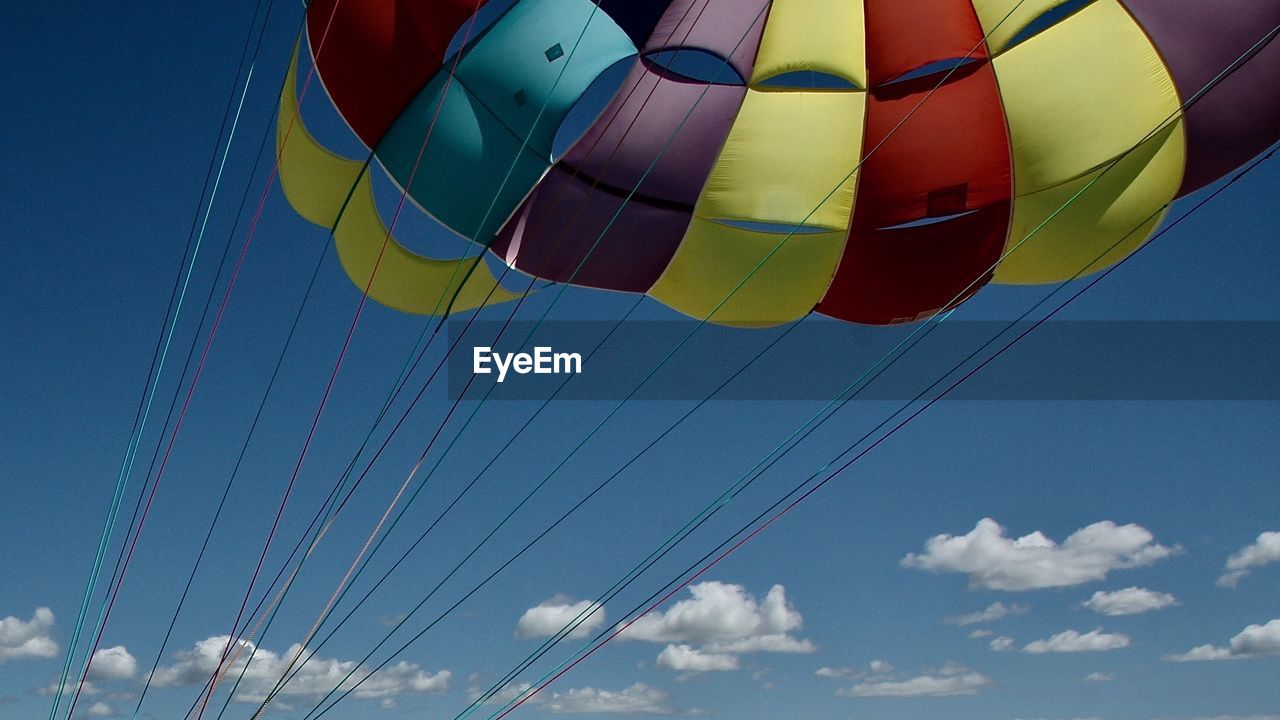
[463, 178]
[492, 140]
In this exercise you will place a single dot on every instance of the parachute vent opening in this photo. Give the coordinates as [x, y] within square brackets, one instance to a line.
[695, 65]
[935, 70]
[589, 106]
[773, 228]
[928, 220]
[1048, 19]
[808, 80]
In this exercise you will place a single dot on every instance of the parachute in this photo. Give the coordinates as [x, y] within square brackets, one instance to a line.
[875, 161]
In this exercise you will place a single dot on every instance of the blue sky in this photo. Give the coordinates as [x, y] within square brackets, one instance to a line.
[110, 114]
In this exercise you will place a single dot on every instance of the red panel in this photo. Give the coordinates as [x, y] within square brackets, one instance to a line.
[893, 276]
[904, 35]
[375, 55]
[950, 156]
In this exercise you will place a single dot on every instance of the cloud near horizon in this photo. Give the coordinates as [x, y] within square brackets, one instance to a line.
[1252, 642]
[950, 680]
[317, 677]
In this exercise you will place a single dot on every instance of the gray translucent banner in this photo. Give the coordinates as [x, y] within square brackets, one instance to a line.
[1068, 360]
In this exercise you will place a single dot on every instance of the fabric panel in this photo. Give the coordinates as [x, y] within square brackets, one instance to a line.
[489, 135]
[663, 129]
[377, 54]
[736, 276]
[1057, 234]
[728, 28]
[1002, 20]
[575, 230]
[316, 182]
[1080, 94]
[803, 36]
[906, 35]
[1240, 116]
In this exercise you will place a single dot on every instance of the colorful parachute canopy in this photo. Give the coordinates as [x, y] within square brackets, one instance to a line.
[792, 155]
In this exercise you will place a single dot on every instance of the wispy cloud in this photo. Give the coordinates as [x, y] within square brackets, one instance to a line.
[1252, 642]
[1129, 601]
[951, 679]
[993, 612]
[638, 699]
[1072, 641]
[1263, 551]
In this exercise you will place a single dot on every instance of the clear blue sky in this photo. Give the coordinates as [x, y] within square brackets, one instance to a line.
[109, 114]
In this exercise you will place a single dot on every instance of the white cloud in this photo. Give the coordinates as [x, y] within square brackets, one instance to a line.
[718, 612]
[977, 634]
[951, 680]
[316, 678]
[1263, 551]
[719, 622]
[875, 667]
[113, 663]
[28, 639]
[683, 658]
[1251, 642]
[1004, 643]
[1070, 641]
[1099, 677]
[86, 689]
[1034, 561]
[1129, 601]
[777, 643]
[639, 699]
[508, 693]
[550, 616]
[100, 709]
[993, 612]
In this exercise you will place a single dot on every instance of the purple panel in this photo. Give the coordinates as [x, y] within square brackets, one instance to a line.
[658, 139]
[728, 28]
[562, 220]
[1198, 39]
[646, 121]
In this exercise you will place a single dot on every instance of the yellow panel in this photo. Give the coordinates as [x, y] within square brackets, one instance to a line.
[1121, 208]
[1081, 94]
[820, 37]
[1077, 98]
[1002, 20]
[786, 152]
[316, 182]
[728, 275]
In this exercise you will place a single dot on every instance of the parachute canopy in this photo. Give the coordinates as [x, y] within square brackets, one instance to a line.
[873, 160]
